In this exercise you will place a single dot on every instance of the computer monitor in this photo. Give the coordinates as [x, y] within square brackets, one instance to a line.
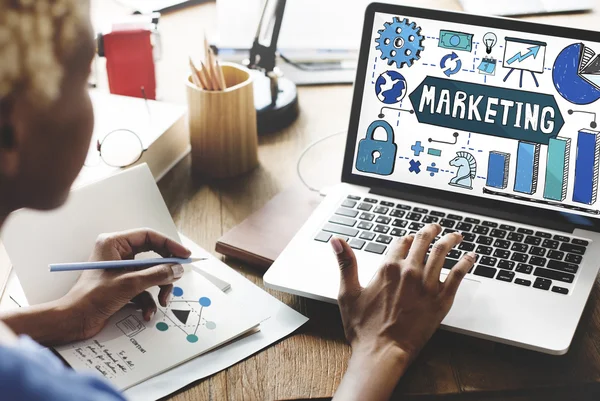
[480, 111]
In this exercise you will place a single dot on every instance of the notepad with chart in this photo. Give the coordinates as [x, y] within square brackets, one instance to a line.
[198, 318]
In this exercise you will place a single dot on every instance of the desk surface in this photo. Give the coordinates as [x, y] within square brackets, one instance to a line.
[311, 363]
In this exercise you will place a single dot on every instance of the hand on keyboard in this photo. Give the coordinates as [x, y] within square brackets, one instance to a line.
[388, 322]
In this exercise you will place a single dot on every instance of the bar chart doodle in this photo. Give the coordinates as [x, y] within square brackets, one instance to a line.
[557, 169]
[498, 169]
[528, 160]
[558, 166]
[586, 167]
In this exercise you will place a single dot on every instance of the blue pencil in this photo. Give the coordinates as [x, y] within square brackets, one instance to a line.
[120, 264]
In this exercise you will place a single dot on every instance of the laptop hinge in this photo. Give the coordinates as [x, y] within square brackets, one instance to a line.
[554, 224]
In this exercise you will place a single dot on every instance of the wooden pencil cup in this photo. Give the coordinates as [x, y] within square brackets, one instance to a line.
[223, 131]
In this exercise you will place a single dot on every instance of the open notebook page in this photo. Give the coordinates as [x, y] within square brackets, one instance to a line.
[198, 318]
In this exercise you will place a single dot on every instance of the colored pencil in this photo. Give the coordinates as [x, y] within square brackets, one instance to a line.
[121, 264]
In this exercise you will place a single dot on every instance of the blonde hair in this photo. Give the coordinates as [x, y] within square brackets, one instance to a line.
[36, 37]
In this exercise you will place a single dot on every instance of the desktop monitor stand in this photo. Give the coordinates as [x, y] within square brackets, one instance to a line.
[276, 101]
[275, 97]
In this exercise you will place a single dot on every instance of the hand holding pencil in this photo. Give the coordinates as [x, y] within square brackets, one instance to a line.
[210, 75]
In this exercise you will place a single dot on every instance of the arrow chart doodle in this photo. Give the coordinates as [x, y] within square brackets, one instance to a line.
[533, 52]
[524, 55]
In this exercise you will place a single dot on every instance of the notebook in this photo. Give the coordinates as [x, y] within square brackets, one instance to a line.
[124, 201]
[260, 238]
[129, 350]
[161, 127]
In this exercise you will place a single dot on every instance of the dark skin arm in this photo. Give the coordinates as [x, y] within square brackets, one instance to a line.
[390, 321]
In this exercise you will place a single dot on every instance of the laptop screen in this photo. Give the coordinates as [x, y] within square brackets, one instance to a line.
[493, 113]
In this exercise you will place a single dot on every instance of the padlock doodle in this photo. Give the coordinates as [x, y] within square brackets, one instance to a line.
[374, 156]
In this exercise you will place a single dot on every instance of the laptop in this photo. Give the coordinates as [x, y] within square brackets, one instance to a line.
[486, 126]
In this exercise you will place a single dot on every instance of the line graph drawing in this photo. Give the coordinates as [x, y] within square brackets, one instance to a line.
[185, 315]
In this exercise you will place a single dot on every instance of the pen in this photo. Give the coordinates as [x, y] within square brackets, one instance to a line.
[120, 264]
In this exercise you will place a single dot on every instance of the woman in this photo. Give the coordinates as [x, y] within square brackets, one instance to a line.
[46, 121]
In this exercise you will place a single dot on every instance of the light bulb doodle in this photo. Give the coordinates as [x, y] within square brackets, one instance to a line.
[490, 39]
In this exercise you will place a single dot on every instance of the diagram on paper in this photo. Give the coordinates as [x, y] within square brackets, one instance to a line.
[185, 314]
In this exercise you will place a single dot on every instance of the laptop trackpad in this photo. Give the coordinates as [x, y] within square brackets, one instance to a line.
[462, 308]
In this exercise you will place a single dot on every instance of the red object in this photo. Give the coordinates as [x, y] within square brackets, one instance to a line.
[130, 63]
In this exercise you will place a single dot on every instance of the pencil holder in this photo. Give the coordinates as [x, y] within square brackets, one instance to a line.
[223, 130]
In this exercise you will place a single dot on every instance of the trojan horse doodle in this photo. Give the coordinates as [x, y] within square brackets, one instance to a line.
[467, 168]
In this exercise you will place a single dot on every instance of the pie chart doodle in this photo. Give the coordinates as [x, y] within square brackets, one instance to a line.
[186, 315]
[573, 74]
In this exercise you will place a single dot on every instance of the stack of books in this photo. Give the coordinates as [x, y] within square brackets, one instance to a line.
[162, 128]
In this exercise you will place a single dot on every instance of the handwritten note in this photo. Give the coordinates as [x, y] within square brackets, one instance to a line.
[110, 363]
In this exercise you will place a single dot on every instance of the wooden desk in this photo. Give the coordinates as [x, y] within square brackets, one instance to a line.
[311, 363]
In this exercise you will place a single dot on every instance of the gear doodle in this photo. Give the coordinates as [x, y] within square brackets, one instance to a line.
[400, 42]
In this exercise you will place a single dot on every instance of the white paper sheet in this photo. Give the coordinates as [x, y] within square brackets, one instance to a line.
[283, 321]
[307, 24]
[34, 239]
[125, 201]
[198, 318]
[278, 321]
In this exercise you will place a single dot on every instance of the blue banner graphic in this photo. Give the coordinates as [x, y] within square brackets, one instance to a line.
[489, 110]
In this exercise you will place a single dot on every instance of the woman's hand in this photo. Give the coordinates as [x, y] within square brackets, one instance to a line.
[388, 322]
[98, 294]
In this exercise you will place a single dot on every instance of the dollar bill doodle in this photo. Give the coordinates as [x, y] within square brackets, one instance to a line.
[456, 40]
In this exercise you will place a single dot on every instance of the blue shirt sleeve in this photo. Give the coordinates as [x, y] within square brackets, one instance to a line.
[29, 372]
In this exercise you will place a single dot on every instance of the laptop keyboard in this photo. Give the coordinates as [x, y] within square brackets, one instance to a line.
[509, 253]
